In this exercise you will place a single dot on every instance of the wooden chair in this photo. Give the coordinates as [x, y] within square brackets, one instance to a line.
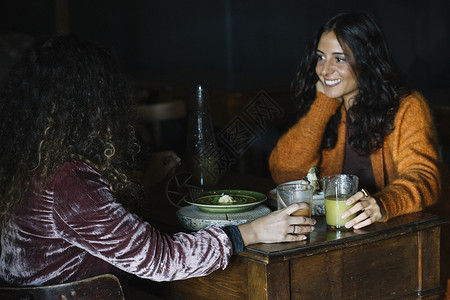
[442, 121]
[99, 287]
[154, 114]
[447, 294]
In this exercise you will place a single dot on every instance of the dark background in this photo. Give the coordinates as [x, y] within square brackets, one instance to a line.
[235, 47]
[238, 45]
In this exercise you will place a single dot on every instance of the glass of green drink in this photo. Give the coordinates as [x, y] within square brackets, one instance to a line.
[336, 190]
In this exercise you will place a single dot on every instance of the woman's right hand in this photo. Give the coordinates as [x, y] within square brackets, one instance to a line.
[278, 226]
[319, 86]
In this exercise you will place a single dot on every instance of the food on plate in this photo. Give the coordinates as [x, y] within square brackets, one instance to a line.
[313, 179]
[225, 199]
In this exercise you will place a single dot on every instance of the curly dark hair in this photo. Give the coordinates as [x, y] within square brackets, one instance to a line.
[380, 83]
[66, 99]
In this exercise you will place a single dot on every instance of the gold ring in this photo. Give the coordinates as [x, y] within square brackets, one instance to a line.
[293, 229]
[365, 192]
[167, 160]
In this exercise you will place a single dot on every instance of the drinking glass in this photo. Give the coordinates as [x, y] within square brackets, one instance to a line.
[337, 189]
[289, 193]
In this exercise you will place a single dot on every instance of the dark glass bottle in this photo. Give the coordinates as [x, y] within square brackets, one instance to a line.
[202, 152]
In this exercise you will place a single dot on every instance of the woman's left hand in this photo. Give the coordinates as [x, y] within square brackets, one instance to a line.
[368, 207]
[278, 226]
[161, 165]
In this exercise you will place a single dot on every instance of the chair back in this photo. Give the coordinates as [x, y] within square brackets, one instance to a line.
[105, 286]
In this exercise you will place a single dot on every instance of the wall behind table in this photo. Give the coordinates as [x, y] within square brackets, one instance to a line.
[238, 45]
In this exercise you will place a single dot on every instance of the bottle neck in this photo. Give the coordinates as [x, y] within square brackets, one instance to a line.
[199, 100]
[199, 112]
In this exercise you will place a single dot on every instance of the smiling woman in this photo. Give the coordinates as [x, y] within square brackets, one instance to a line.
[360, 117]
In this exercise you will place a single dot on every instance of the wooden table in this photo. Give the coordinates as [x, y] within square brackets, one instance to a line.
[398, 259]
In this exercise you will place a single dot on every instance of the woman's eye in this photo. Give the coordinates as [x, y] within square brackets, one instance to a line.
[320, 57]
[340, 59]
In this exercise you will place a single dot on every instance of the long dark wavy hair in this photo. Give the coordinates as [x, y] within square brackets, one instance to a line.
[381, 85]
[66, 99]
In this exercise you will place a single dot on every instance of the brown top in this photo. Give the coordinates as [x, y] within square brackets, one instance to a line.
[359, 165]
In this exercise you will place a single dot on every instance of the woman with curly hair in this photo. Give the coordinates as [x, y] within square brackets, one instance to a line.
[67, 149]
[360, 117]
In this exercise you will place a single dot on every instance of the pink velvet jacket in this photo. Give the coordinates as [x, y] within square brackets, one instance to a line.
[75, 229]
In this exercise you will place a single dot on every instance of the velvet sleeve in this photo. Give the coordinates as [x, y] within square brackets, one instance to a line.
[299, 148]
[87, 215]
[413, 148]
[235, 237]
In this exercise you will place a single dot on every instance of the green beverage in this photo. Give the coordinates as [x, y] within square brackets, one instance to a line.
[334, 208]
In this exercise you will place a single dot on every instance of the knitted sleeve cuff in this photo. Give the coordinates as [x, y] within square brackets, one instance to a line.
[236, 238]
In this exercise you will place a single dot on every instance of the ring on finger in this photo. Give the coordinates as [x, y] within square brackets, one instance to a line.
[167, 160]
[365, 192]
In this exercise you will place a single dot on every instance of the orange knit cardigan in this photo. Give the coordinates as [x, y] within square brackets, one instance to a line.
[406, 167]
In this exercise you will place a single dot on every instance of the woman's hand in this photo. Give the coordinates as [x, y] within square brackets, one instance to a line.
[370, 211]
[319, 86]
[160, 166]
[278, 226]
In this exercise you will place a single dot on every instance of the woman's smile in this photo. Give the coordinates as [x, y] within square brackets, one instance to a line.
[331, 83]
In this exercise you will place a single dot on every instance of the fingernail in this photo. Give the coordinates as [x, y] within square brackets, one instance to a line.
[304, 237]
[344, 216]
[312, 228]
